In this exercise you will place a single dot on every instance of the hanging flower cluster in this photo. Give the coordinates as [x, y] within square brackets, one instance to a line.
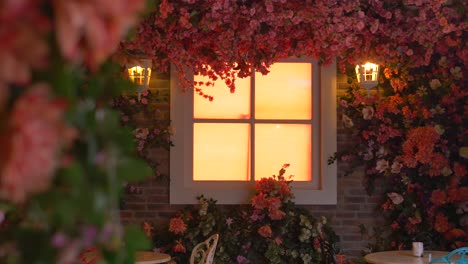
[229, 39]
[414, 138]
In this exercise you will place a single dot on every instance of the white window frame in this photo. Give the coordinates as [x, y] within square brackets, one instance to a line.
[183, 190]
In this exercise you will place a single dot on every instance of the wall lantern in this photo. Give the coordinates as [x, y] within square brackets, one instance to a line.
[139, 73]
[368, 75]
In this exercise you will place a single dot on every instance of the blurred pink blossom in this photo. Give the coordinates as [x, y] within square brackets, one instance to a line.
[31, 144]
[23, 45]
[91, 30]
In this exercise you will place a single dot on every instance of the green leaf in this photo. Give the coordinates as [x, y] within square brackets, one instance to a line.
[138, 240]
[132, 169]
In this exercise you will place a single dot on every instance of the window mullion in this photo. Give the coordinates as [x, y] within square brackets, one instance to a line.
[252, 127]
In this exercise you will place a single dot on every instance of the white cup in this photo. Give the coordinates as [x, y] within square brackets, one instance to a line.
[418, 249]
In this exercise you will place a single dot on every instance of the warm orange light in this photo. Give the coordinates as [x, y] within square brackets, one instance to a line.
[221, 152]
[225, 104]
[368, 75]
[285, 93]
[140, 72]
[276, 144]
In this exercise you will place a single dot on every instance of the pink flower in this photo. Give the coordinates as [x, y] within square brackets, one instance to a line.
[23, 47]
[177, 225]
[348, 122]
[395, 225]
[382, 166]
[395, 197]
[278, 241]
[141, 133]
[360, 25]
[35, 130]
[368, 112]
[242, 260]
[91, 30]
[2, 217]
[396, 167]
[265, 231]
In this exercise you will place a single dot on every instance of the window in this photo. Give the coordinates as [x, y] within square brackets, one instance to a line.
[287, 116]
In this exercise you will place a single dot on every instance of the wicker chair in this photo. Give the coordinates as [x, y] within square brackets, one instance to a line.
[459, 251]
[204, 252]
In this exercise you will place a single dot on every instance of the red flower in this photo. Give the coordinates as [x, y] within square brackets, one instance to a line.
[90, 255]
[177, 225]
[259, 201]
[388, 205]
[265, 185]
[179, 247]
[285, 190]
[148, 229]
[265, 231]
[276, 214]
[438, 197]
[455, 233]
[419, 146]
[441, 223]
[459, 169]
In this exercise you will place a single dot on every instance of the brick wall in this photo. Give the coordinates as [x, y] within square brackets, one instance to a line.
[354, 206]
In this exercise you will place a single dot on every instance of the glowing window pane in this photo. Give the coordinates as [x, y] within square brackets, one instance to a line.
[277, 144]
[225, 104]
[221, 152]
[285, 93]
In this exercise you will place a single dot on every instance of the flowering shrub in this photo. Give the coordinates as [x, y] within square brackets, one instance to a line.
[63, 154]
[414, 138]
[269, 230]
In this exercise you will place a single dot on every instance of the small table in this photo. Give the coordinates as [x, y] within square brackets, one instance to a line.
[148, 257]
[402, 257]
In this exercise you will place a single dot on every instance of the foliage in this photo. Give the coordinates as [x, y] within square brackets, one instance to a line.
[58, 137]
[414, 139]
[64, 155]
[148, 135]
[269, 230]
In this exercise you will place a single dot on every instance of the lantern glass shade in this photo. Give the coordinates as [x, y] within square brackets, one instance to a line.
[367, 75]
[140, 73]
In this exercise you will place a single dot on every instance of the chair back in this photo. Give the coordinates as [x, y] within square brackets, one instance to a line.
[204, 252]
[459, 251]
